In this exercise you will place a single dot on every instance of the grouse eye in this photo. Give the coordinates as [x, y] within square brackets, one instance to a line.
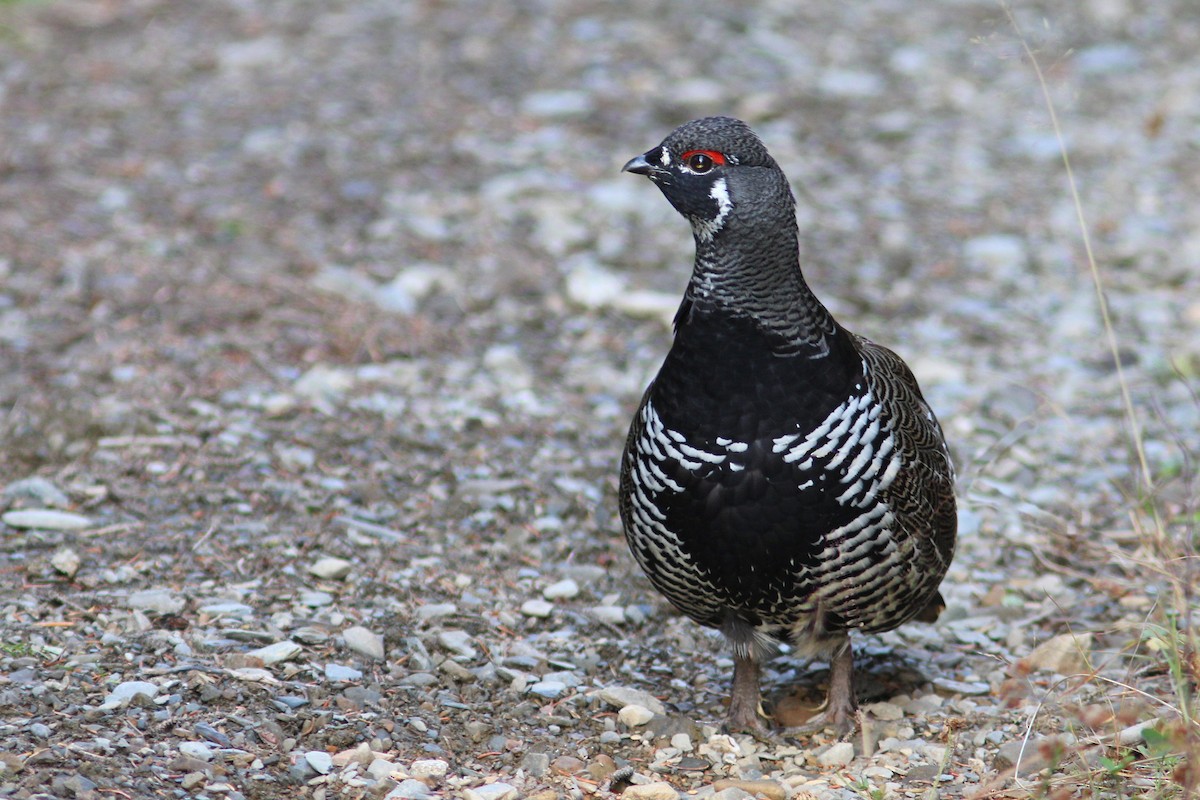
[701, 161]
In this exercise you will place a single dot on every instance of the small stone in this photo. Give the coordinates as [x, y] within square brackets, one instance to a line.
[682, 742]
[39, 489]
[969, 688]
[410, 789]
[885, 711]
[123, 693]
[613, 615]
[198, 750]
[562, 590]
[621, 696]
[1029, 755]
[323, 384]
[192, 780]
[226, 609]
[537, 608]
[549, 689]
[457, 671]
[330, 568]
[477, 731]
[567, 765]
[46, 519]
[158, 601]
[66, 561]
[495, 791]
[320, 761]
[212, 734]
[634, 715]
[339, 672]
[295, 459]
[838, 755]
[660, 790]
[457, 642]
[252, 675]
[430, 770]
[315, 599]
[77, 785]
[381, 768]
[432, 611]
[536, 764]
[762, 788]
[732, 793]
[360, 754]
[364, 642]
[1065, 654]
[277, 653]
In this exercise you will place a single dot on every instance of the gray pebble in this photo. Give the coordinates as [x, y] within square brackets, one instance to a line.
[46, 519]
[410, 789]
[431, 611]
[159, 601]
[227, 609]
[548, 688]
[320, 761]
[338, 672]
[315, 599]
[197, 750]
[381, 768]
[495, 791]
[613, 615]
[457, 642]
[211, 734]
[122, 693]
[364, 642]
[418, 679]
[66, 561]
[277, 653]
[620, 696]
[537, 608]
[39, 489]
[330, 568]
[564, 589]
[536, 764]
[838, 755]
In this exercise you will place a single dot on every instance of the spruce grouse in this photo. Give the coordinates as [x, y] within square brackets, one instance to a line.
[783, 478]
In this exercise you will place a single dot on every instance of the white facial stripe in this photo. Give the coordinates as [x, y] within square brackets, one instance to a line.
[720, 192]
[665, 158]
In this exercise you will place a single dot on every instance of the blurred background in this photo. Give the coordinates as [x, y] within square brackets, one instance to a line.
[265, 265]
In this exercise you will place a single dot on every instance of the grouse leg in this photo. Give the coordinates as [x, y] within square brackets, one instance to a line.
[840, 704]
[839, 709]
[744, 699]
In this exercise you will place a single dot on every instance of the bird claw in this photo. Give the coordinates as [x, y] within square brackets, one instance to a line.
[841, 722]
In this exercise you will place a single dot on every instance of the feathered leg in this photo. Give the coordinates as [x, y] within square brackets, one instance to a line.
[745, 698]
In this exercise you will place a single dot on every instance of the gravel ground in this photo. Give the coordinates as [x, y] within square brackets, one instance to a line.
[321, 324]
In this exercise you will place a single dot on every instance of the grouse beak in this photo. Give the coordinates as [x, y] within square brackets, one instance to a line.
[638, 165]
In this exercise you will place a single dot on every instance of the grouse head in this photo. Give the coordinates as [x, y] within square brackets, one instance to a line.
[718, 174]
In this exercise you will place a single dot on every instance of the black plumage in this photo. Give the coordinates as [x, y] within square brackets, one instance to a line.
[783, 478]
